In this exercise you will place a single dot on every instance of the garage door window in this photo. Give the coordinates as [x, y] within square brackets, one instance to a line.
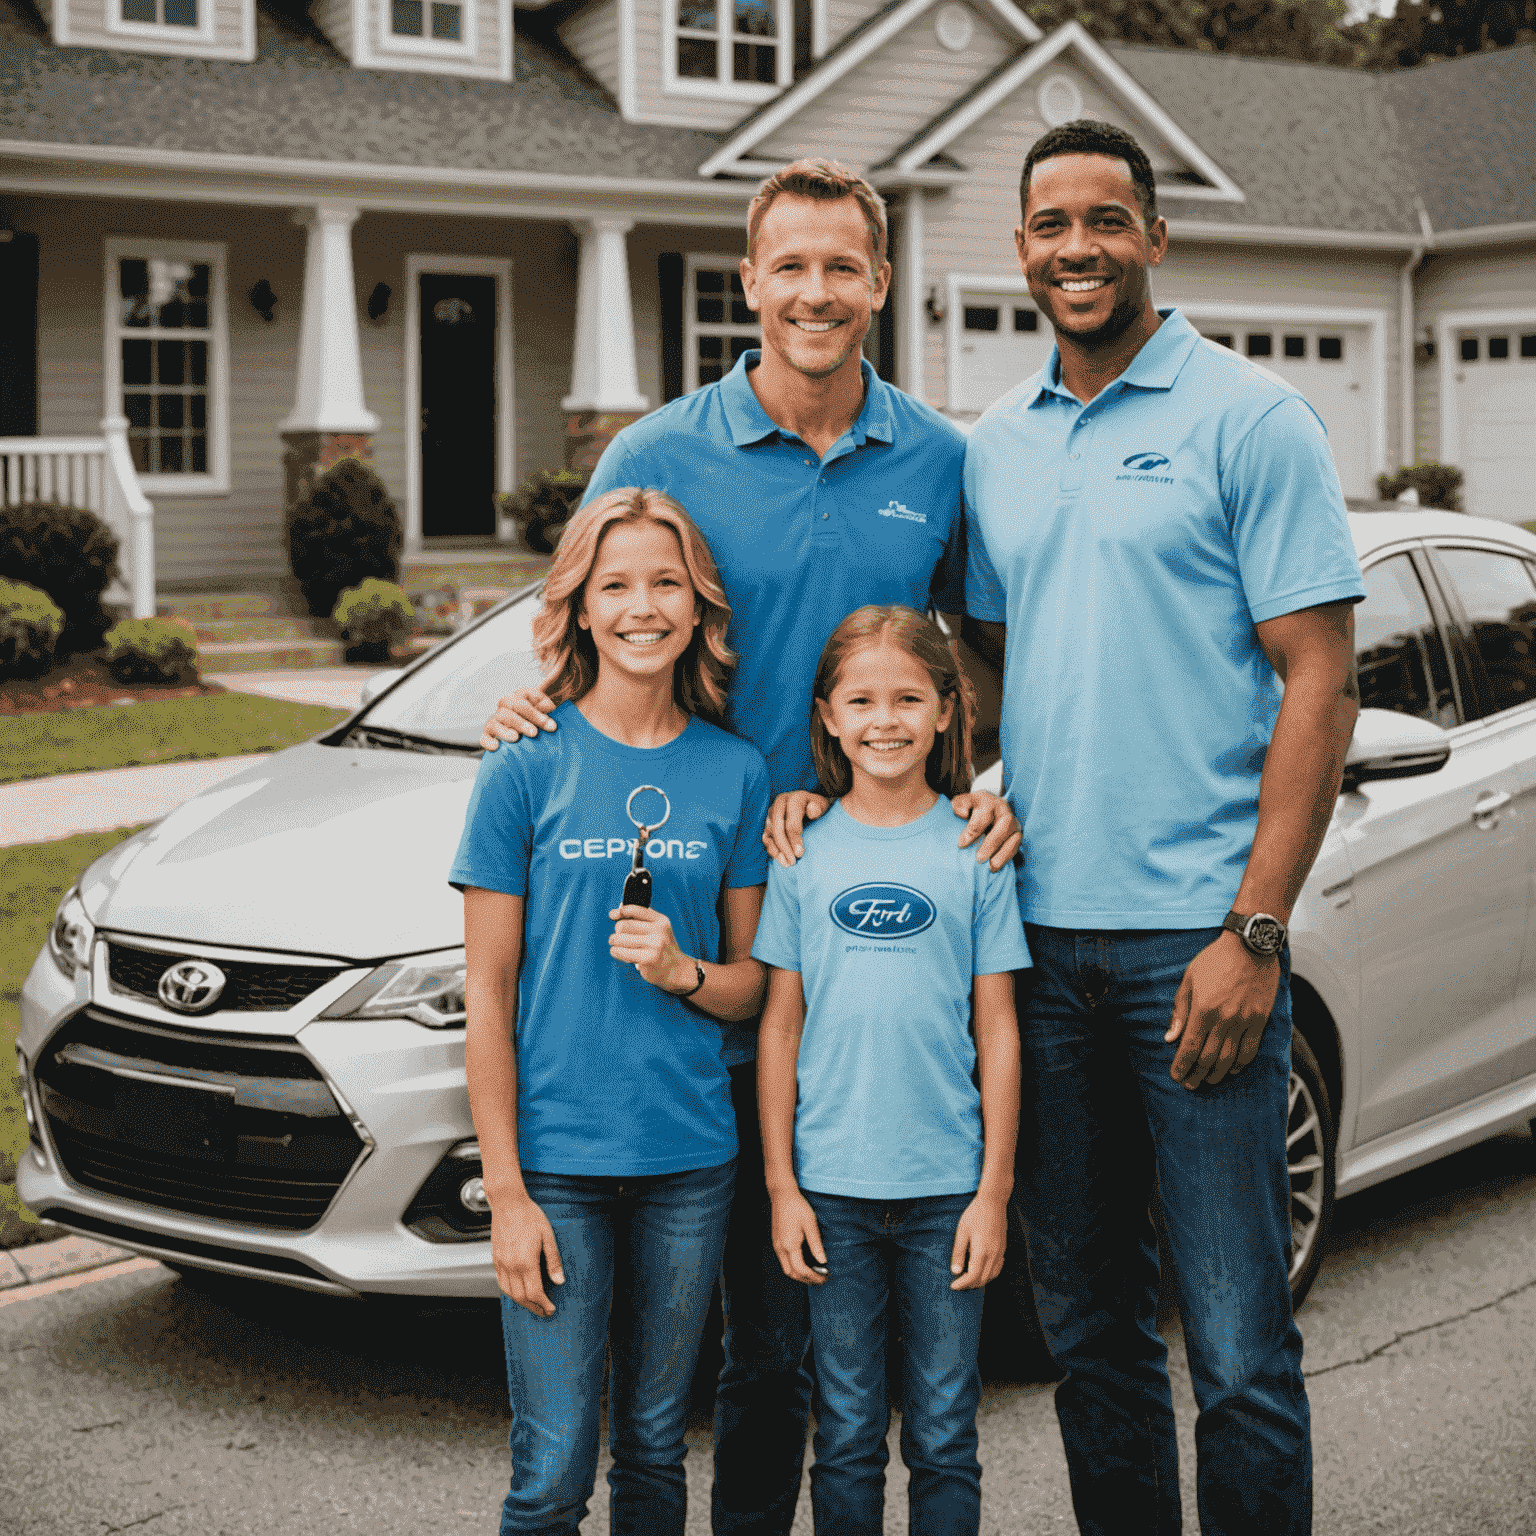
[1399, 655]
[981, 317]
[1499, 598]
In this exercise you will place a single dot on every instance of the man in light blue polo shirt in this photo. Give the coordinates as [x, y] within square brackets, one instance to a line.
[1157, 541]
[820, 489]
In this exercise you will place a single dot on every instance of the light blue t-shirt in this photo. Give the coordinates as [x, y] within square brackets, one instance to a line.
[1131, 545]
[888, 926]
[614, 1076]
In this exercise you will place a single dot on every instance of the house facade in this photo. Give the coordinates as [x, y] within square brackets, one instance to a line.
[472, 240]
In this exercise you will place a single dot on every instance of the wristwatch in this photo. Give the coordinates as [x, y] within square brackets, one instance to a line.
[1262, 935]
[699, 971]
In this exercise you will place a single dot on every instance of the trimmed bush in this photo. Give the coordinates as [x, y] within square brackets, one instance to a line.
[542, 505]
[67, 552]
[152, 651]
[1438, 485]
[372, 616]
[343, 530]
[30, 626]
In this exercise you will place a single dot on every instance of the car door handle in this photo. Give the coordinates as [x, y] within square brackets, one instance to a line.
[1485, 811]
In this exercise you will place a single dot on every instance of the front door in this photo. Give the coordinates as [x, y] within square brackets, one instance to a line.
[458, 404]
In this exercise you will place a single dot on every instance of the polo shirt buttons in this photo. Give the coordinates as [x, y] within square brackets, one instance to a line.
[825, 516]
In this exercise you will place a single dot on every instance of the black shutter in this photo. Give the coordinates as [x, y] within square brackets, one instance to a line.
[669, 268]
[18, 334]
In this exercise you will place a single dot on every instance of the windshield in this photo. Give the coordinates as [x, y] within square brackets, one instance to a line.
[453, 693]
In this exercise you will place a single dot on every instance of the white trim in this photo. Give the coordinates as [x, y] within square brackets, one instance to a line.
[1291, 235]
[911, 291]
[693, 328]
[1486, 234]
[216, 254]
[807, 90]
[1110, 75]
[417, 265]
[629, 61]
[723, 87]
[425, 47]
[1446, 325]
[820, 41]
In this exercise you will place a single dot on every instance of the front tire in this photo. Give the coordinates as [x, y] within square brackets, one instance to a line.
[1311, 1149]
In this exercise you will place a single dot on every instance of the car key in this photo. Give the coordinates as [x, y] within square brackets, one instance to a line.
[811, 1261]
[637, 883]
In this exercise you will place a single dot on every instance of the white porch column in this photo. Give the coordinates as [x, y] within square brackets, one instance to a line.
[329, 419]
[605, 386]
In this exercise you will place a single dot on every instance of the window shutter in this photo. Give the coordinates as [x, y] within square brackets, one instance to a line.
[669, 268]
[18, 334]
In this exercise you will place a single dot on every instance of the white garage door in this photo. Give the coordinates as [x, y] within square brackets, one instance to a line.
[1330, 365]
[1003, 339]
[1495, 391]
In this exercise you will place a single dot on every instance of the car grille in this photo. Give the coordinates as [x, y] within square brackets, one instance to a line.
[249, 986]
[239, 1128]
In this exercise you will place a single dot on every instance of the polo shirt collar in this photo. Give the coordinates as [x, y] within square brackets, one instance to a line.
[749, 423]
[1156, 366]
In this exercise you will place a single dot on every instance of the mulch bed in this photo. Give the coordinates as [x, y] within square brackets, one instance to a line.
[83, 682]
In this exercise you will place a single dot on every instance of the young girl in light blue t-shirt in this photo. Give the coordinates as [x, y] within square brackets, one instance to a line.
[888, 1072]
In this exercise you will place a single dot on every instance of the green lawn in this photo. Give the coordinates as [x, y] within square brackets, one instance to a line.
[32, 878]
[160, 731]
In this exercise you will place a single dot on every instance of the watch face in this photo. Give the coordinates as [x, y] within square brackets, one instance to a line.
[1264, 935]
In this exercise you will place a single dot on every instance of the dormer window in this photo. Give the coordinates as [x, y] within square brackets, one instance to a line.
[735, 47]
[164, 13]
[167, 26]
[444, 23]
[421, 34]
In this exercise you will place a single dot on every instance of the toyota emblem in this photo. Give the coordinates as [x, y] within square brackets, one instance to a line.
[191, 986]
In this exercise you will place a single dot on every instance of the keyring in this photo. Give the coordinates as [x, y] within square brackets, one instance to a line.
[629, 811]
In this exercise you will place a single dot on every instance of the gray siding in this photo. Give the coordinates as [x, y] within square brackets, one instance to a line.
[335, 19]
[844, 15]
[592, 34]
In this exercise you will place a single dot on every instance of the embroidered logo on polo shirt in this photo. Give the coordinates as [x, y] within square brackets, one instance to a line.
[1145, 466]
[906, 514]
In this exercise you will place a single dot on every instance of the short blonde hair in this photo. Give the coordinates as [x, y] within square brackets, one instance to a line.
[567, 652]
[827, 181]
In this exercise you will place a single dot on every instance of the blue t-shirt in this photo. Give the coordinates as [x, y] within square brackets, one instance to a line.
[888, 926]
[1131, 545]
[613, 1075]
[800, 541]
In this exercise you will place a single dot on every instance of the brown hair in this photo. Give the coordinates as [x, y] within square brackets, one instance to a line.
[827, 181]
[948, 769]
[567, 652]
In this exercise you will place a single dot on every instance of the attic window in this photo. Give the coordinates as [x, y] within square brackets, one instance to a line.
[729, 42]
[161, 13]
[411, 18]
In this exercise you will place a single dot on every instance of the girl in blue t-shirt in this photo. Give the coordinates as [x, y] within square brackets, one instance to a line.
[592, 1043]
[888, 1072]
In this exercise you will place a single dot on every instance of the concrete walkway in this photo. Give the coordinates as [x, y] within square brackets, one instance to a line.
[340, 687]
[69, 1254]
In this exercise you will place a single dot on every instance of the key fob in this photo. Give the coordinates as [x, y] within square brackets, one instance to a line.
[812, 1263]
[637, 888]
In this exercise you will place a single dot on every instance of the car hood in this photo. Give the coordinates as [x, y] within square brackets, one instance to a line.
[316, 850]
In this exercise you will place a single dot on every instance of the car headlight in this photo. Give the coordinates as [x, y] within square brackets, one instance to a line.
[428, 989]
[70, 938]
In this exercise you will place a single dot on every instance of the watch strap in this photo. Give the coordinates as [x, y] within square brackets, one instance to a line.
[699, 971]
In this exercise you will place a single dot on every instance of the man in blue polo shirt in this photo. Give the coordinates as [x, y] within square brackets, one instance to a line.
[1158, 541]
[820, 489]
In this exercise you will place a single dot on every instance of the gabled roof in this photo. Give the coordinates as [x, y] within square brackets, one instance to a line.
[865, 39]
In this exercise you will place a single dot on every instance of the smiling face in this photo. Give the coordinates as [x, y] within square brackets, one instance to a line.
[809, 280]
[638, 601]
[885, 713]
[1086, 248]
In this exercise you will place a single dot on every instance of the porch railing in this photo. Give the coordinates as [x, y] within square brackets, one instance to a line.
[96, 473]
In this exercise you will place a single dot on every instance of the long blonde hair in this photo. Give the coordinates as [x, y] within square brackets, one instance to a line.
[566, 650]
[948, 768]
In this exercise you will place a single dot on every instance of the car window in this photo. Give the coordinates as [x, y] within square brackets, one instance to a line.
[1399, 654]
[451, 695]
[1499, 597]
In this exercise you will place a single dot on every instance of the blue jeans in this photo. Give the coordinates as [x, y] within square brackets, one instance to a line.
[1100, 1117]
[764, 1396]
[877, 1249]
[647, 1249]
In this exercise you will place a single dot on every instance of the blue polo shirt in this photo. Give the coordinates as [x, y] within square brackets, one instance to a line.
[1131, 545]
[800, 541]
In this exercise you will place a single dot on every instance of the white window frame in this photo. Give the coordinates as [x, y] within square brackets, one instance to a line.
[200, 36]
[726, 89]
[693, 327]
[417, 265]
[427, 46]
[215, 481]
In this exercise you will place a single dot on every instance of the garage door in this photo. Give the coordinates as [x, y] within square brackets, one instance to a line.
[1003, 339]
[1495, 394]
[1330, 365]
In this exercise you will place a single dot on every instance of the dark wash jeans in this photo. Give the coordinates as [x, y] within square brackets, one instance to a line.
[888, 1263]
[647, 1250]
[764, 1396]
[1100, 1117]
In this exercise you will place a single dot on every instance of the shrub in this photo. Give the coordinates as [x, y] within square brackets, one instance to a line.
[542, 505]
[1438, 485]
[152, 651]
[67, 552]
[343, 530]
[30, 626]
[372, 616]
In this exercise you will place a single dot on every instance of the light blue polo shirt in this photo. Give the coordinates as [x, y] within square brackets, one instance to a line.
[800, 541]
[1131, 545]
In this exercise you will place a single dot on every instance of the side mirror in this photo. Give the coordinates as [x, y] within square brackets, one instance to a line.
[376, 685]
[1387, 745]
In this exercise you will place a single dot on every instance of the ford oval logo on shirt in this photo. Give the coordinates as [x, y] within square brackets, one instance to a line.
[882, 911]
